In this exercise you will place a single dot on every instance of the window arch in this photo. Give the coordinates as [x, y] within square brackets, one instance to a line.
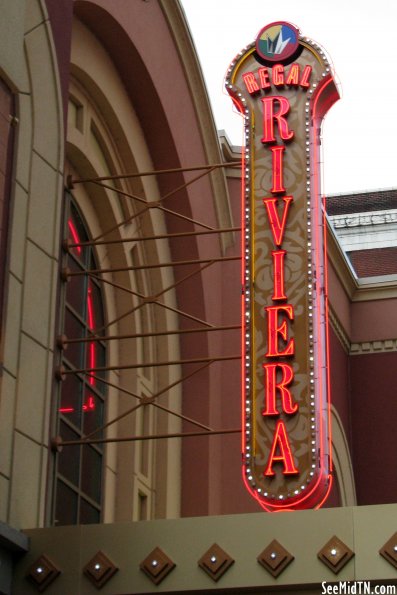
[79, 469]
[141, 479]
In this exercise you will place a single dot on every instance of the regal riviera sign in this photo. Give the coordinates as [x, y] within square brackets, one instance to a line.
[283, 86]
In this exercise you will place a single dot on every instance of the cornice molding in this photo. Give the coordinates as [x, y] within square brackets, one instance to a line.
[365, 219]
[371, 347]
[376, 288]
[339, 330]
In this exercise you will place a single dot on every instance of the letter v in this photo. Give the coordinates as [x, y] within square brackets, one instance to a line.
[276, 225]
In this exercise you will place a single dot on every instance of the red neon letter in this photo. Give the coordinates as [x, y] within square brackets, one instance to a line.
[280, 441]
[273, 331]
[277, 167]
[293, 75]
[271, 386]
[250, 82]
[269, 115]
[278, 281]
[278, 75]
[264, 78]
[306, 76]
[276, 225]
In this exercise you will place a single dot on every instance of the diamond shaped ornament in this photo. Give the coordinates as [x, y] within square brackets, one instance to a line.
[99, 569]
[275, 558]
[215, 562]
[157, 565]
[335, 554]
[389, 550]
[42, 573]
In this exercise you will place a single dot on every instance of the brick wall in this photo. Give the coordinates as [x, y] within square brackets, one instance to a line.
[372, 263]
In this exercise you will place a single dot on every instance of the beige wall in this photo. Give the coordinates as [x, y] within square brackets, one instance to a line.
[26, 388]
[364, 529]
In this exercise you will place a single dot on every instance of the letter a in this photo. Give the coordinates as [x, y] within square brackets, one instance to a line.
[280, 441]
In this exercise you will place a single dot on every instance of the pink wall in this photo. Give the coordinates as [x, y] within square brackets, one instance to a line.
[374, 321]
[338, 299]
[60, 13]
[340, 381]
[234, 497]
[374, 421]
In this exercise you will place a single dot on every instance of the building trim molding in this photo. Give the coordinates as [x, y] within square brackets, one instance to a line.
[364, 219]
[371, 347]
[362, 348]
[339, 330]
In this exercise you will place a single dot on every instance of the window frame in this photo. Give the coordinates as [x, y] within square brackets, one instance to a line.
[71, 417]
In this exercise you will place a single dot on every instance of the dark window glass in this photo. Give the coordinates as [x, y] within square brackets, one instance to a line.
[69, 458]
[66, 505]
[97, 306]
[75, 329]
[77, 233]
[88, 513]
[92, 413]
[76, 289]
[71, 399]
[91, 472]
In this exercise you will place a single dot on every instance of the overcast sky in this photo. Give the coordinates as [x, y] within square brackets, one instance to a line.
[359, 37]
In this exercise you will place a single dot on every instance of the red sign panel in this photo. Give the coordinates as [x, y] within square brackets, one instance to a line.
[283, 86]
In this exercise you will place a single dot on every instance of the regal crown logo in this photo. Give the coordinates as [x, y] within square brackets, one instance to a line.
[277, 45]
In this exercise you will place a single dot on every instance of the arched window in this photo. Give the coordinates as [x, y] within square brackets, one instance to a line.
[79, 468]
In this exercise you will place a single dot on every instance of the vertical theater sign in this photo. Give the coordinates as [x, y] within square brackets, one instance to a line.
[282, 84]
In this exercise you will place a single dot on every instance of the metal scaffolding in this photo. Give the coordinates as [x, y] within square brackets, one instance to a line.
[63, 341]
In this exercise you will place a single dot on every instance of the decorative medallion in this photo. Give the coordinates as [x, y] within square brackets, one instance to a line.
[277, 42]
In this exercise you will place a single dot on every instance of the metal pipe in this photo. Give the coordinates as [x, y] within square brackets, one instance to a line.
[135, 215]
[65, 341]
[57, 443]
[198, 360]
[156, 173]
[165, 236]
[158, 394]
[68, 273]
